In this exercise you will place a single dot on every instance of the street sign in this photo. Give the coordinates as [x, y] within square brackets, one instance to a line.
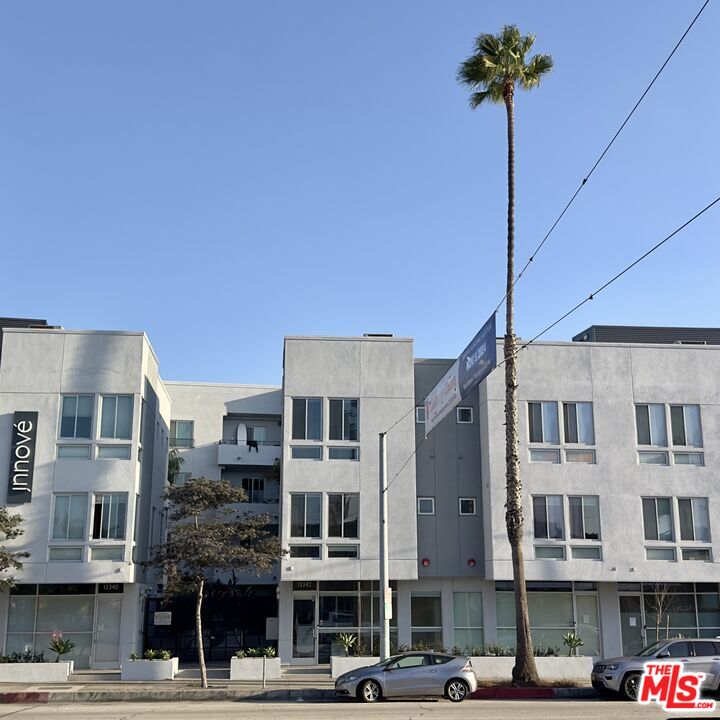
[475, 363]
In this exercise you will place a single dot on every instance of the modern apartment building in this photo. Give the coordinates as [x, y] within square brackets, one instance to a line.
[84, 426]
[619, 460]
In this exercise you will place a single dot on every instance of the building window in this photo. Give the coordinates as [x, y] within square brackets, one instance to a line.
[657, 519]
[254, 489]
[69, 517]
[543, 422]
[549, 552]
[343, 515]
[685, 425]
[652, 553]
[426, 620]
[342, 551]
[300, 452]
[426, 505]
[305, 551]
[182, 433]
[650, 424]
[548, 517]
[113, 552]
[544, 455]
[694, 519]
[305, 515]
[76, 421]
[699, 554]
[117, 416]
[464, 415]
[586, 553]
[466, 506]
[578, 423]
[75, 452]
[65, 554]
[580, 456]
[468, 620]
[307, 419]
[109, 516]
[584, 517]
[344, 453]
[181, 478]
[344, 419]
[420, 414]
[113, 452]
[689, 458]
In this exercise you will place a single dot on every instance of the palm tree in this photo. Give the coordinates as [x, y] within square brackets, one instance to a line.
[492, 72]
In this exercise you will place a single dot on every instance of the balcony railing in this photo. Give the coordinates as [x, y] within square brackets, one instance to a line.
[176, 442]
[251, 452]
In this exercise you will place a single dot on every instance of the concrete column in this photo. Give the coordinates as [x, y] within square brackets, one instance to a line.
[610, 628]
[403, 621]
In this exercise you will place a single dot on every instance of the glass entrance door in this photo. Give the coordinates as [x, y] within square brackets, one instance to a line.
[304, 646]
[631, 624]
[106, 648]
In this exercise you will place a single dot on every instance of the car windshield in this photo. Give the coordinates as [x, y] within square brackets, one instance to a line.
[652, 649]
[383, 663]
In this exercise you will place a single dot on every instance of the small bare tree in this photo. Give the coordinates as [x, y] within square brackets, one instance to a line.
[658, 603]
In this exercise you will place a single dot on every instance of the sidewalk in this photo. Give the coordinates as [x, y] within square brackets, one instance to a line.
[295, 685]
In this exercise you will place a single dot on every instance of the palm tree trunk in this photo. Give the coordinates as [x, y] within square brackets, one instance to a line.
[524, 672]
[198, 630]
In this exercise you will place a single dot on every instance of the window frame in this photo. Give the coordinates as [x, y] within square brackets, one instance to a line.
[655, 498]
[692, 501]
[432, 502]
[583, 519]
[305, 399]
[72, 540]
[464, 408]
[473, 500]
[566, 425]
[252, 482]
[343, 519]
[305, 496]
[544, 539]
[173, 438]
[116, 498]
[116, 397]
[682, 408]
[418, 409]
[345, 432]
[531, 423]
[77, 397]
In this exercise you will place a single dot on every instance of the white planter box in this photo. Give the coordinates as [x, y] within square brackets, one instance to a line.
[252, 668]
[340, 664]
[571, 669]
[47, 672]
[143, 670]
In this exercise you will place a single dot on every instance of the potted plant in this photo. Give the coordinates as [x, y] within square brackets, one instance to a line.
[154, 665]
[572, 641]
[255, 664]
[60, 646]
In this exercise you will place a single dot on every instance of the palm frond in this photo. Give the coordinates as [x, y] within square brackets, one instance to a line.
[493, 95]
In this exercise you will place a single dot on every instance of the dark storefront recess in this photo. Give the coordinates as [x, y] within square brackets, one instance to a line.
[233, 618]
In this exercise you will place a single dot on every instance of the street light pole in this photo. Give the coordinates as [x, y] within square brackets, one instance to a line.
[386, 593]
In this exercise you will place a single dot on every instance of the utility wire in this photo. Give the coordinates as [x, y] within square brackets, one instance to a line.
[590, 297]
[602, 155]
[629, 267]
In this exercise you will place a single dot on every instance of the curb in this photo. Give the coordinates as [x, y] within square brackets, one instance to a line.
[530, 693]
[250, 695]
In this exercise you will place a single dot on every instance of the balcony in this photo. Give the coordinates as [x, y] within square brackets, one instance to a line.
[252, 452]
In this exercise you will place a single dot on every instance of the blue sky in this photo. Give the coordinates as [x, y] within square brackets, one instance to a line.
[221, 174]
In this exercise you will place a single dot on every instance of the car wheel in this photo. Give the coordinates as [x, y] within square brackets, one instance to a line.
[370, 691]
[631, 686]
[456, 691]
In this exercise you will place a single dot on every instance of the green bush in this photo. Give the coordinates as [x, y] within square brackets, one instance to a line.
[268, 652]
[29, 656]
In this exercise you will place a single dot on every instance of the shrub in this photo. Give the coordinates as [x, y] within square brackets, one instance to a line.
[268, 652]
[28, 656]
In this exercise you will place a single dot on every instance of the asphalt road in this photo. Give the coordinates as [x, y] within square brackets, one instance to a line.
[440, 710]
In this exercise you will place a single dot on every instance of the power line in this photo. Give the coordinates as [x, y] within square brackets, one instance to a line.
[602, 155]
[590, 297]
[629, 267]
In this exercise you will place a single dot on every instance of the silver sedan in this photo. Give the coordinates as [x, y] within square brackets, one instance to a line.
[420, 674]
